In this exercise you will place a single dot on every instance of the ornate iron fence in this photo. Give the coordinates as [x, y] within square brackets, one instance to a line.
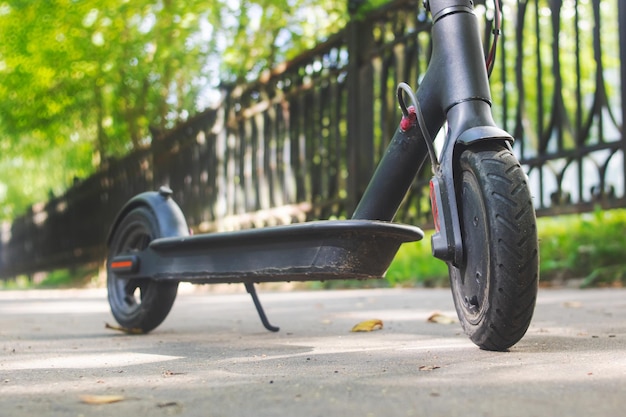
[565, 104]
[302, 141]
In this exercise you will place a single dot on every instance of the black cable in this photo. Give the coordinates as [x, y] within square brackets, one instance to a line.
[491, 57]
[421, 123]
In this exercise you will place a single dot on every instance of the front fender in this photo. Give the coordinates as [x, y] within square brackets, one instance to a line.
[447, 242]
[169, 215]
[484, 133]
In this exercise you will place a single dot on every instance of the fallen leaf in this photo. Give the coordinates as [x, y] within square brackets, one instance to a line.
[572, 304]
[428, 367]
[441, 319]
[101, 399]
[368, 326]
[123, 329]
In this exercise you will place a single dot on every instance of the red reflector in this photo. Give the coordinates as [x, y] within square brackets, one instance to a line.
[121, 264]
[434, 206]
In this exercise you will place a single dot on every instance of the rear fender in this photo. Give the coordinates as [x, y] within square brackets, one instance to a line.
[169, 215]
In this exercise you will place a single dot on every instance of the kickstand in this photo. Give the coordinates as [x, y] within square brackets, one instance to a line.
[259, 308]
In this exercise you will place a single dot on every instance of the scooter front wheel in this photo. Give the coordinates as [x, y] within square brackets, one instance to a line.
[137, 304]
[495, 289]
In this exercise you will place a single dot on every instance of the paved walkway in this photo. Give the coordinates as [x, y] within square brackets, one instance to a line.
[212, 357]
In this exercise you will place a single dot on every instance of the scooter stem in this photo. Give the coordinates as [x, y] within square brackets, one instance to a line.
[456, 88]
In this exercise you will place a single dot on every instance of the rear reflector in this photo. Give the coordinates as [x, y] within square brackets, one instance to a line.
[124, 264]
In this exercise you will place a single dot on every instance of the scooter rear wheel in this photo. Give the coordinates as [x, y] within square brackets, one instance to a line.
[495, 290]
[138, 304]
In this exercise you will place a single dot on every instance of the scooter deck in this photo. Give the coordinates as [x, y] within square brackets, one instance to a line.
[321, 250]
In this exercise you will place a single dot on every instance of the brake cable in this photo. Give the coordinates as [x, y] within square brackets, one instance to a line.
[415, 111]
[491, 56]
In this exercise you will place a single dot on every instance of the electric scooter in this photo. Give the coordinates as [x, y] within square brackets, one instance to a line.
[485, 225]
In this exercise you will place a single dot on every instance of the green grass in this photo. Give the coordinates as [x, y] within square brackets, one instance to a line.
[414, 265]
[59, 278]
[590, 247]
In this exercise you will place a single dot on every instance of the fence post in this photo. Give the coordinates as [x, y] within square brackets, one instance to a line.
[621, 10]
[360, 111]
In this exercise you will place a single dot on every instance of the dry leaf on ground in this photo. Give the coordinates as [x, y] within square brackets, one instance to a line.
[572, 304]
[101, 399]
[368, 326]
[123, 329]
[441, 319]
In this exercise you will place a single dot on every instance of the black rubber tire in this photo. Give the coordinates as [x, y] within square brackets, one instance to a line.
[138, 304]
[495, 290]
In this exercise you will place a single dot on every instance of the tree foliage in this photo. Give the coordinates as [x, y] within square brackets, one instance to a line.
[84, 80]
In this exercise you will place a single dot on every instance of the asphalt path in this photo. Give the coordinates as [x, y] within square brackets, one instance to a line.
[212, 357]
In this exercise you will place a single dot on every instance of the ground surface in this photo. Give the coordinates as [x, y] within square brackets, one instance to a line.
[211, 357]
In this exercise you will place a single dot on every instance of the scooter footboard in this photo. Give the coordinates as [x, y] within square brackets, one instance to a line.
[322, 250]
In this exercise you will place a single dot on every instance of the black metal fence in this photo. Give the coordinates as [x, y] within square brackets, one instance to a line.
[302, 141]
[566, 66]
